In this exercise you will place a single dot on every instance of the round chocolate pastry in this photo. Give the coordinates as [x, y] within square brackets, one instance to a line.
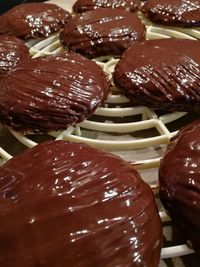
[162, 74]
[180, 182]
[51, 93]
[12, 52]
[102, 32]
[85, 5]
[33, 20]
[184, 13]
[68, 204]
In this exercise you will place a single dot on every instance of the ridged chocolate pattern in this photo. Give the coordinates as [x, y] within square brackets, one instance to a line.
[51, 93]
[85, 5]
[184, 13]
[180, 182]
[33, 20]
[12, 52]
[68, 204]
[162, 74]
[102, 32]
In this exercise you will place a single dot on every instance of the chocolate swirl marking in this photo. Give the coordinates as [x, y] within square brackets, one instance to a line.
[162, 74]
[33, 20]
[184, 13]
[81, 6]
[102, 32]
[12, 52]
[68, 204]
[180, 182]
[50, 93]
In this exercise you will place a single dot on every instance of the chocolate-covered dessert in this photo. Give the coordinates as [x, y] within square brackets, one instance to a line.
[33, 20]
[51, 93]
[102, 32]
[180, 182]
[12, 52]
[68, 204]
[162, 74]
[86, 5]
[184, 13]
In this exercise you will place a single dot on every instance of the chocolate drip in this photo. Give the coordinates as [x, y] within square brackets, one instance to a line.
[102, 32]
[51, 93]
[12, 52]
[180, 182]
[184, 13]
[67, 204]
[33, 20]
[86, 5]
[162, 74]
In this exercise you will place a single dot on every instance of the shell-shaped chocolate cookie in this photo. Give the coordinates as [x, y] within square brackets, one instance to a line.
[68, 204]
[180, 182]
[12, 52]
[161, 74]
[33, 20]
[101, 32]
[184, 13]
[51, 93]
[81, 6]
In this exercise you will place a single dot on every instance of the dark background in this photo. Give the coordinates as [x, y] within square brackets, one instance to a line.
[5, 5]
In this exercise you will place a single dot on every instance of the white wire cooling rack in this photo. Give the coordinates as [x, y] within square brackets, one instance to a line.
[115, 126]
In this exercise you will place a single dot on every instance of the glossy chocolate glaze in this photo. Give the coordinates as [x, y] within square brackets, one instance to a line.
[33, 20]
[184, 13]
[162, 74]
[86, 5]
[68, 204]
[180, 182]
[102, 32]
[51, 93]
[12, 52]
